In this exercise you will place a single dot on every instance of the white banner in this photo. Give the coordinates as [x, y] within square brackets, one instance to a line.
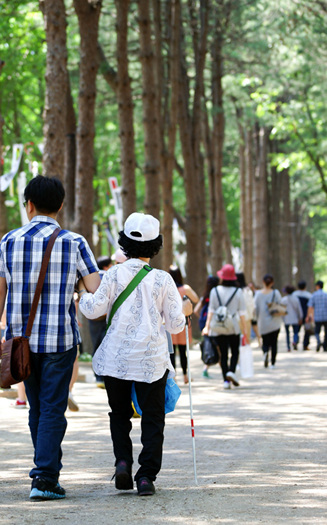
[6, 179]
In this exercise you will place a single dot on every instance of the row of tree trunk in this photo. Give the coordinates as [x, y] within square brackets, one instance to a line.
[274, 227]
[175, 108]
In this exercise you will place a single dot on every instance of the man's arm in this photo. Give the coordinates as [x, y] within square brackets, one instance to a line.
[3, 294]
[92, 282]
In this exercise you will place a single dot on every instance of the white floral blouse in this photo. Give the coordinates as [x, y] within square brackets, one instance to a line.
[135, 346]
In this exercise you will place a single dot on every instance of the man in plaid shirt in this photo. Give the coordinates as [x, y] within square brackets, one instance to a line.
[55, 334]
[317, 312]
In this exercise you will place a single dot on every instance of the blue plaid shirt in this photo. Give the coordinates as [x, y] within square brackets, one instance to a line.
[55, 327]
[319, 302]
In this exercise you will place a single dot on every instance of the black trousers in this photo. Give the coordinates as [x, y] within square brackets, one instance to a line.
[224, 342]
[270, 341]
[151, 399]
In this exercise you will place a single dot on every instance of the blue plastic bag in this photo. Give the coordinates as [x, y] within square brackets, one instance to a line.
[172, 394]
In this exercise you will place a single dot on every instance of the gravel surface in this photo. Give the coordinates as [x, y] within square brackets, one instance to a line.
[260, 453]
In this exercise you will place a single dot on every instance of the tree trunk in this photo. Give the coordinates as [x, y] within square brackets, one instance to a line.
[169, 150]
[56, 86]
[260, 222]
[190, 135]
[150, 112]
[249, 177]
[125, 112]
[285, 237]
[70, 160]
[88, 20]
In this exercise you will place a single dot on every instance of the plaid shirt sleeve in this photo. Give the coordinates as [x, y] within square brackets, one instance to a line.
[86, 263]
[2, 262]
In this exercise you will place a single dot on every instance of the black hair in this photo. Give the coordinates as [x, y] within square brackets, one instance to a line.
[46, 193]
[268, 279]
[176, 275]
[212, 282]
[103, 260]
[226, 282]
[320, 284]
[301, 285]
[289, 289]
[241, 279]
[134, 249]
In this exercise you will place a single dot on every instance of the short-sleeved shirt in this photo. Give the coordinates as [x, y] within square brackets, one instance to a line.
[55, 327]
[319, 302]
[135, 346]
[266, 322]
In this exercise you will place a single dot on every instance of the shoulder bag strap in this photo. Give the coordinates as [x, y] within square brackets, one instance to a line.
[40, 282]
[231, 297]
[218, 296]
[128, 290]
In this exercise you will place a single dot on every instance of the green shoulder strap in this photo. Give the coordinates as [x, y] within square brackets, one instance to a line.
[128, 290]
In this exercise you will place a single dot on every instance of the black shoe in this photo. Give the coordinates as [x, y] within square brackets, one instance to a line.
[44, 490]
[294, 346]
[318, 348]
[123, 476]
[145, 487]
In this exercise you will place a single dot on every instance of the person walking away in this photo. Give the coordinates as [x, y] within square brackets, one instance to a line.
[231, 295]
[268, 325]
[179, 340]
[135, 348]
[55, 334]
[249, 303]
[98, 327]
[304, 296]
[293, 316]
[317, 312]
[201, 309]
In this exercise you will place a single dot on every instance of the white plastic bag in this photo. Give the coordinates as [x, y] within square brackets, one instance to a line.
[246, 361]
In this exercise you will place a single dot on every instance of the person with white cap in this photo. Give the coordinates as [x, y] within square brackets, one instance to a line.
[135, 348]
[227, 294]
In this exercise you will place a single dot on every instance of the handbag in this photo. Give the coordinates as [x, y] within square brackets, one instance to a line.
[246, 361]
[172, 395]
[276, 309]
[15, 353]
[209, 351]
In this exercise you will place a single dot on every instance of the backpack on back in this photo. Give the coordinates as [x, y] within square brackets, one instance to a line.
[223, 322]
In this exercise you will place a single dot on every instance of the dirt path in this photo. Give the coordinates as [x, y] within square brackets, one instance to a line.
[261, 454]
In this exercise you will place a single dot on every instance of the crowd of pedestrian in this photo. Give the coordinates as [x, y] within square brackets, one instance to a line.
[134, 312]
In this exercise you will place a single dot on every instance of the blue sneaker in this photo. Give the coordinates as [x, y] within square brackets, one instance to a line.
[44, 490]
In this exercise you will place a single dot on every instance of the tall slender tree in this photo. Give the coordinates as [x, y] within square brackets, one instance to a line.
[56, 87]
[88, 13]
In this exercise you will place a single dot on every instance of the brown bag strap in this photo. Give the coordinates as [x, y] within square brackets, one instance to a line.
[40, 282]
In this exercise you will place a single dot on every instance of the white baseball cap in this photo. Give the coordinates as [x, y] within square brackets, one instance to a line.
[141, 227]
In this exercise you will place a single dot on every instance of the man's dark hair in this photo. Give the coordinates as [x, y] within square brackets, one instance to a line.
[289, 289]
[46, 193]
[320, 284]
[103, 261]
[301, 285]
[135, 249]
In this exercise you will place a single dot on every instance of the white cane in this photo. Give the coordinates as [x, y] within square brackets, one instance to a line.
[190, 394]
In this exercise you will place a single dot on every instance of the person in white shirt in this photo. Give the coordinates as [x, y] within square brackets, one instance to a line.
[135, 348]
[230, 295]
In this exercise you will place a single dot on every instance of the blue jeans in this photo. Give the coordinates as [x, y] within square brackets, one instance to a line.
[47, 391]
[296, 329]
